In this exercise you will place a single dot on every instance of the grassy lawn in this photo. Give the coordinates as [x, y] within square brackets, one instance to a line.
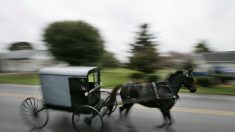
[222, 90]
[110, 78]
[27, 78]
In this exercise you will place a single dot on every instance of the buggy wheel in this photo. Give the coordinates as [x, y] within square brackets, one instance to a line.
[87, 119]
[33, 113]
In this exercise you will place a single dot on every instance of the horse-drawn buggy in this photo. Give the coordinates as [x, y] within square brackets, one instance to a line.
[71, 89]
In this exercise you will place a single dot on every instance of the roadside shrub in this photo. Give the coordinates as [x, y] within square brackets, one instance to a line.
[206, 81]
[152, 78]
[224, 79]
[137, 77]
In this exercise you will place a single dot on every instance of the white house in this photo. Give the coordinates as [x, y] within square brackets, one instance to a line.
[215, 61]
[25, 60]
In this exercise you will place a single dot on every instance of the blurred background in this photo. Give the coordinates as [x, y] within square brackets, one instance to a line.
[141, 41]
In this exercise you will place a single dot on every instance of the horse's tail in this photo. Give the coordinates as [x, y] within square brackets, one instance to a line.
[112, 98]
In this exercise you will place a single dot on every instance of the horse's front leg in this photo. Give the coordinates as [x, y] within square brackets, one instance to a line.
[171, 121]
[165, 119]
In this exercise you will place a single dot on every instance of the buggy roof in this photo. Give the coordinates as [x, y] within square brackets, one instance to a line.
[74, 71]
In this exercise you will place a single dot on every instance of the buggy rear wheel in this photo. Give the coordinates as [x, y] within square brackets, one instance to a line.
[87, 119]
[33, 113]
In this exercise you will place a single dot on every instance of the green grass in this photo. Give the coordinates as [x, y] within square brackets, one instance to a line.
[110, 78]
[222, 90]
[27, 78]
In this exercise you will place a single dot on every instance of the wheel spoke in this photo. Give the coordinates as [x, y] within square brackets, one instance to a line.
[36, 108]
[27, 111]
[25, 106]
[32, 115]
[91, 120]
[27, 103]
[34, 104]
[31, 102]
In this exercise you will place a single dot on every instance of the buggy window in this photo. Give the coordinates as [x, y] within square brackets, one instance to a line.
[93, 80]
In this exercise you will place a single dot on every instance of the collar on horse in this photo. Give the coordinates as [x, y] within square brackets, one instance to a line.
[165, 84]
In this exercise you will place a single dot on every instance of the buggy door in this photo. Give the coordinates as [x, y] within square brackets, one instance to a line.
[78, 91]
[94, 87]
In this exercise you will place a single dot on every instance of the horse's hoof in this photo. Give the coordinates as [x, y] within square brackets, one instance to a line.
[169, 125]
[121, 120]
[130, 126]
[162, 125]
[109, 115]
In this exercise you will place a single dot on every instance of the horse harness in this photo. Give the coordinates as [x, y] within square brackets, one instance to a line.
[167, 85]
[155, 87]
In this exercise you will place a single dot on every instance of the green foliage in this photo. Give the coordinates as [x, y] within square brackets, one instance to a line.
[111, 77]
[209, 81]
[206, 81]
[144, 55]
[109, 60]
[75, 42]
[152, 78]
[201, 47]
[188, 65]
[20, 46]
[223, 79]
[142, 77]
[137, 75]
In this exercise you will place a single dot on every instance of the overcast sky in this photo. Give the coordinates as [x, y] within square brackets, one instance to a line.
[177, 24]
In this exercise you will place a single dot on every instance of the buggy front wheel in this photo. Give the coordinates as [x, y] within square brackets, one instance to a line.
[33, 113]
[87, 119]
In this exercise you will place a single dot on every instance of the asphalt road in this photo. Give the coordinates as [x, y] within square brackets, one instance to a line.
[193, 113]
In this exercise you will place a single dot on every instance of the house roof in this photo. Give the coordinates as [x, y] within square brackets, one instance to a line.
[219, 56]
[25, 54]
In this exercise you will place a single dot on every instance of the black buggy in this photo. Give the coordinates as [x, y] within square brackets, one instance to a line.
[71, 89]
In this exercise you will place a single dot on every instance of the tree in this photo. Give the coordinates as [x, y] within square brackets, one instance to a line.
[144, 55]
[75, 42]
[20, 46]
[109, 60]
[201, 47]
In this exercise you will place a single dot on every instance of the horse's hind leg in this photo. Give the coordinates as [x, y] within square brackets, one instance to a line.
[128, 122]
[120, 111]
[127, 107]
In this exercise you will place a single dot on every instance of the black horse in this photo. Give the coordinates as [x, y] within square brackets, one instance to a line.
[167, 94]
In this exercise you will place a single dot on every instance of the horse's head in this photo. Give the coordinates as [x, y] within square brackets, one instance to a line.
[188, 80]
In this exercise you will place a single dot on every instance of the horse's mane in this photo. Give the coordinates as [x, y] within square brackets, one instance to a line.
[173, 75]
